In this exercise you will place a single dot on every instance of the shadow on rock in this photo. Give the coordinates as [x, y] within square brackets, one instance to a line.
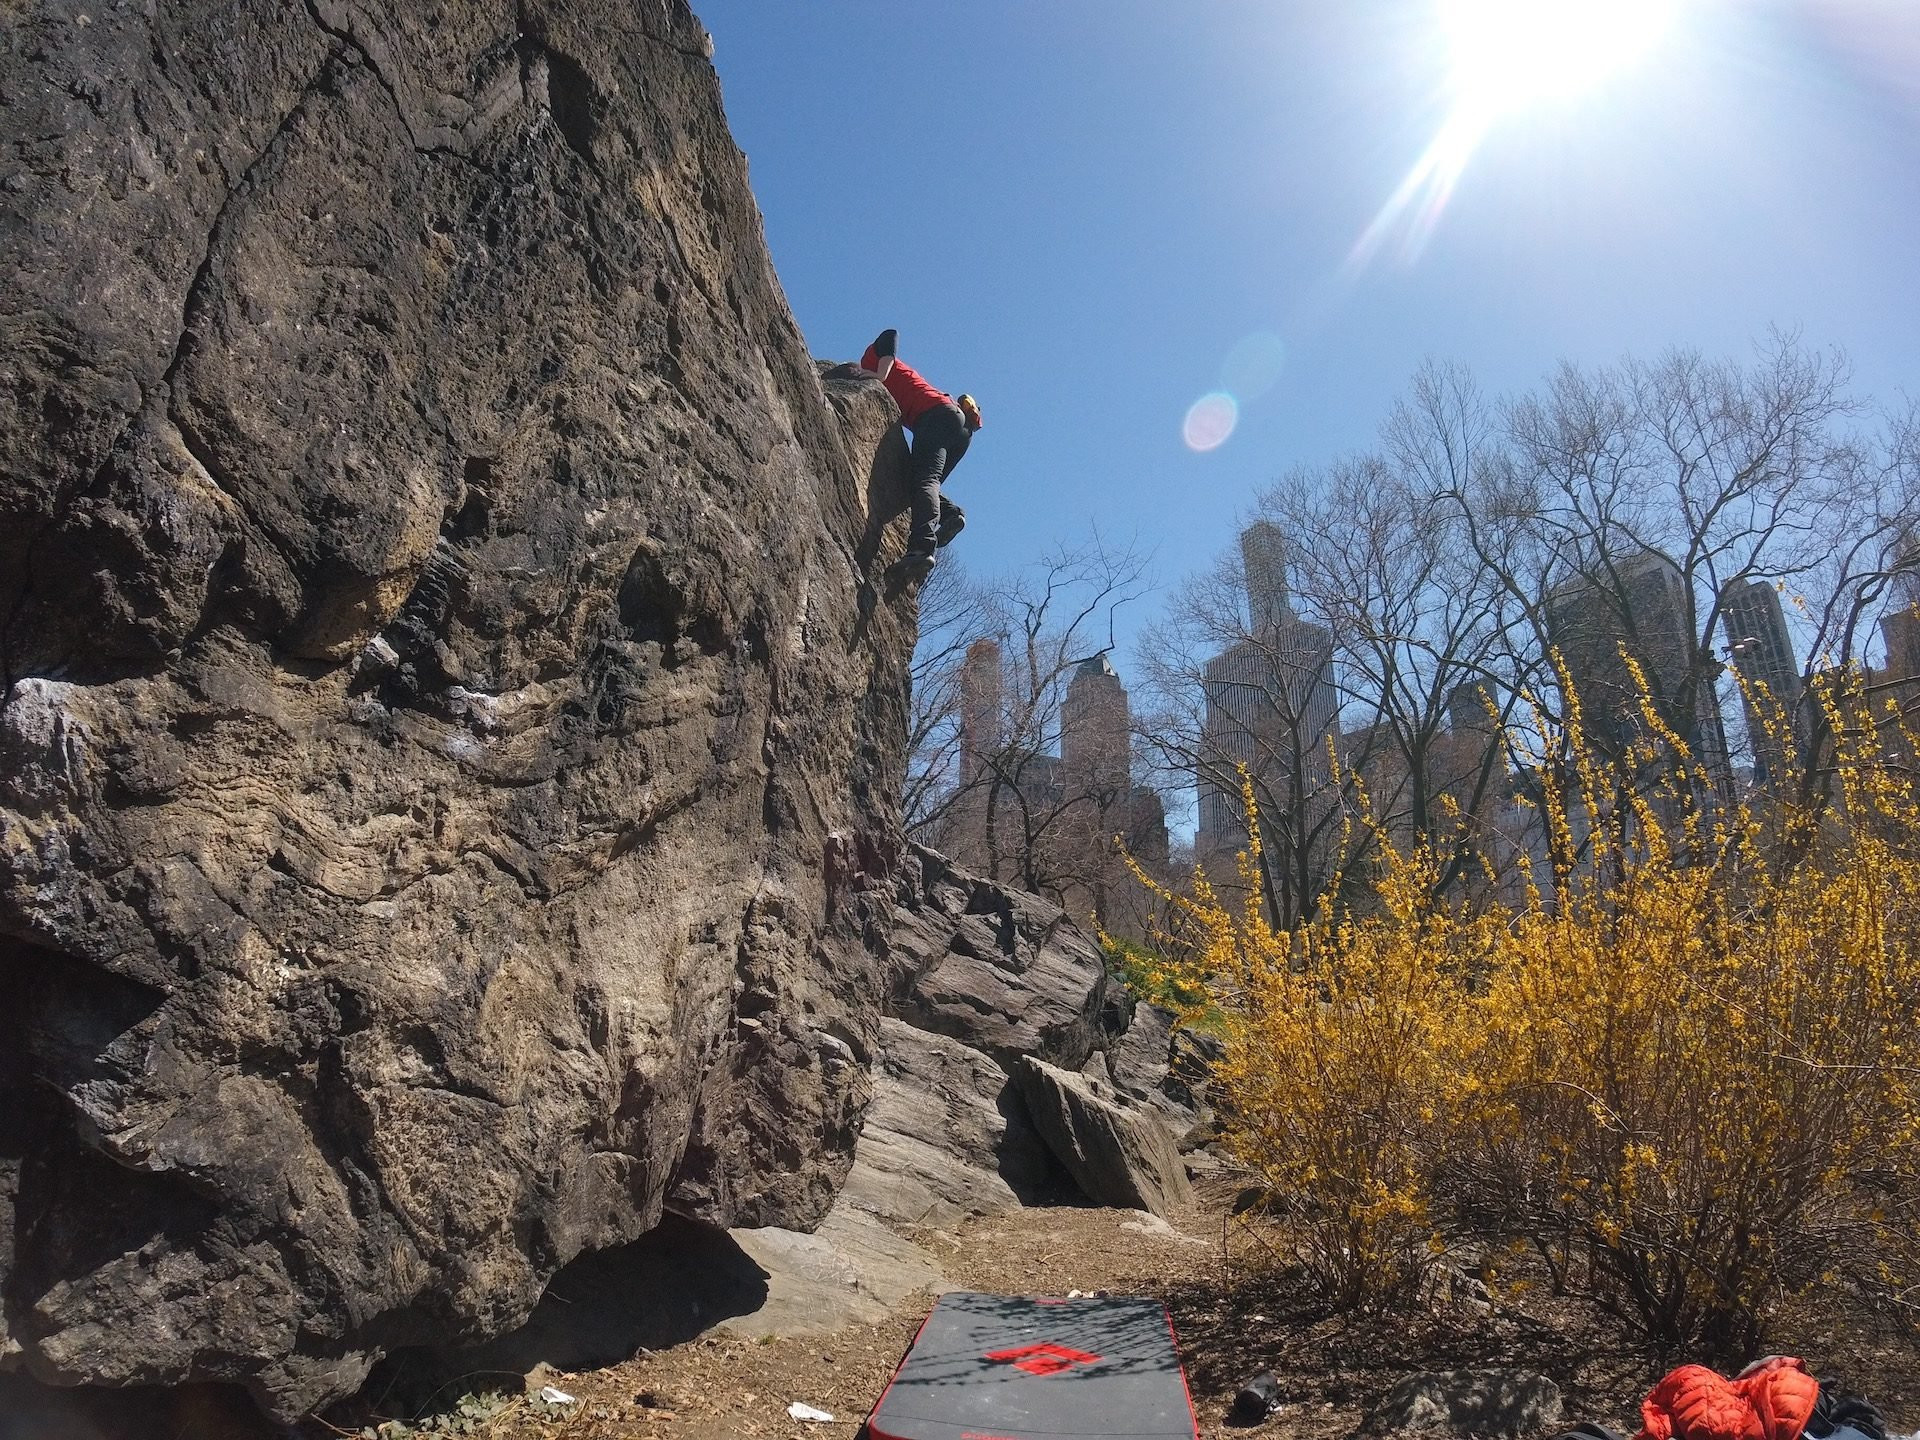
[30, 1411]
[673, 1283]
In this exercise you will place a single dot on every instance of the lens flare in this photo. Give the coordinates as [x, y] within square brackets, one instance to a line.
[1253, 366]
[1414, 210]
[1210, 420]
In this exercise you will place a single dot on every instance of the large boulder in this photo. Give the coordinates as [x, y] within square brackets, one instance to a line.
[448, 737]
[1116, 1155]
[946, 1136]
[1001, 970]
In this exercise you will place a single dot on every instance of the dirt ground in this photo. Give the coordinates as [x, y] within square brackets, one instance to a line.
[1232, 1319]
[1233, 1313]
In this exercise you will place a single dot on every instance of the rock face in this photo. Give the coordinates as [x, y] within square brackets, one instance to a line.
[946, 1136]
[1004, 971]
[976, 976]
[1116, 1156]
[983, 985]
[442, 726]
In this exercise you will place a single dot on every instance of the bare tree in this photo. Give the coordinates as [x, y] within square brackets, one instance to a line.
[990, 783]
[953, 615]
[1608, 529]
[1642, 500]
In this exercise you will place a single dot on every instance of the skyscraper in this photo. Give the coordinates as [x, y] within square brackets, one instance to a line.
[1638, 603]
[1102, 804]
[1762, 650]
[1269, 703]
[1900, 629]
[980, 702]
[1094, 744]
[1022, 811]
[1263, 559]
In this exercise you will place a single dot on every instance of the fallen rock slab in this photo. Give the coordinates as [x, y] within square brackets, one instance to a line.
[1117, 1157]
[851, 1271]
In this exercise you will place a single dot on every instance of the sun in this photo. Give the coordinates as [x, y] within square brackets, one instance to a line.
[1512, 55]
[1504, 58]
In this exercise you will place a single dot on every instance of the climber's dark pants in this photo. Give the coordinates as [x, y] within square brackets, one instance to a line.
[939, 440]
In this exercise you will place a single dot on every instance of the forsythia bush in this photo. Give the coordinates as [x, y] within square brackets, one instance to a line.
[1684, 1067]
[1155, 979]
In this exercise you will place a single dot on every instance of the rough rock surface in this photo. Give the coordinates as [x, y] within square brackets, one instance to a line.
[1139, 1060]
[1470, 1402]
[446, 728]
[974, 971]
[946, 1137]
[980, 978]
[1118, 1157]
[1001, 970]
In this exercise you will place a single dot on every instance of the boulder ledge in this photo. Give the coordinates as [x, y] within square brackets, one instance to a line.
[444, 711]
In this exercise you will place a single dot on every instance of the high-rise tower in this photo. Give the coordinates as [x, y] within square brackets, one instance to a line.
[980, 708]
[1762, 651]
[1640, 604]
[1270, 702]
[1094, 746]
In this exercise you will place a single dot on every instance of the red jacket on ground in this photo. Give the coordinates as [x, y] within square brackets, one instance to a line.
[912, 394]
[1770, 1401]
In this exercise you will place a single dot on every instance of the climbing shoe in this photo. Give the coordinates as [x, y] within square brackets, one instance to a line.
[952, 521]
[914, 566]
[885, 343]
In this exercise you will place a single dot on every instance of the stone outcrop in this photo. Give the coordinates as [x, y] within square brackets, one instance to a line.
[974, 973]
[1001, 970]
[1117, 1156]
[446, 723]
[976, 976]
[982, 982]
[945, 1137]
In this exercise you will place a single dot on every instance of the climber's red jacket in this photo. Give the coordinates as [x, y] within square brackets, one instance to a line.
[1770, 1401]
[912, 394]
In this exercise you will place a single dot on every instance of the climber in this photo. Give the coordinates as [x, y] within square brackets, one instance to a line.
[942, 428]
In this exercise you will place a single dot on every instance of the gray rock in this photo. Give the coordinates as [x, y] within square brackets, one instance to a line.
[1143, 1064]
[1098, 1077]
[1118, 1157]
[946, 1136]
[1138, 1059]
[1470, 1402]
[1002, 971]
[1191, 1057]
[452, 747]
[851, 1271]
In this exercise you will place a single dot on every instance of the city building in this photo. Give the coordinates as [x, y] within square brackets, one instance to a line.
[1270, 708]
[1462, 787]
[1761, 649]
[1642, 606]
[1067, 809]
[1900, 629]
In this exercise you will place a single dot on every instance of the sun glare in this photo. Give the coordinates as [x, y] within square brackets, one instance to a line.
[1505, 57]
[1508, 55]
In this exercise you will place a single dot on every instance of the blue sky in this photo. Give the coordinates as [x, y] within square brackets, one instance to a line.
[1077, 209]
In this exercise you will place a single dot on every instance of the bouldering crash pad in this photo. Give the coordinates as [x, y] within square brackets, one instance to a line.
[1010, 1367]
